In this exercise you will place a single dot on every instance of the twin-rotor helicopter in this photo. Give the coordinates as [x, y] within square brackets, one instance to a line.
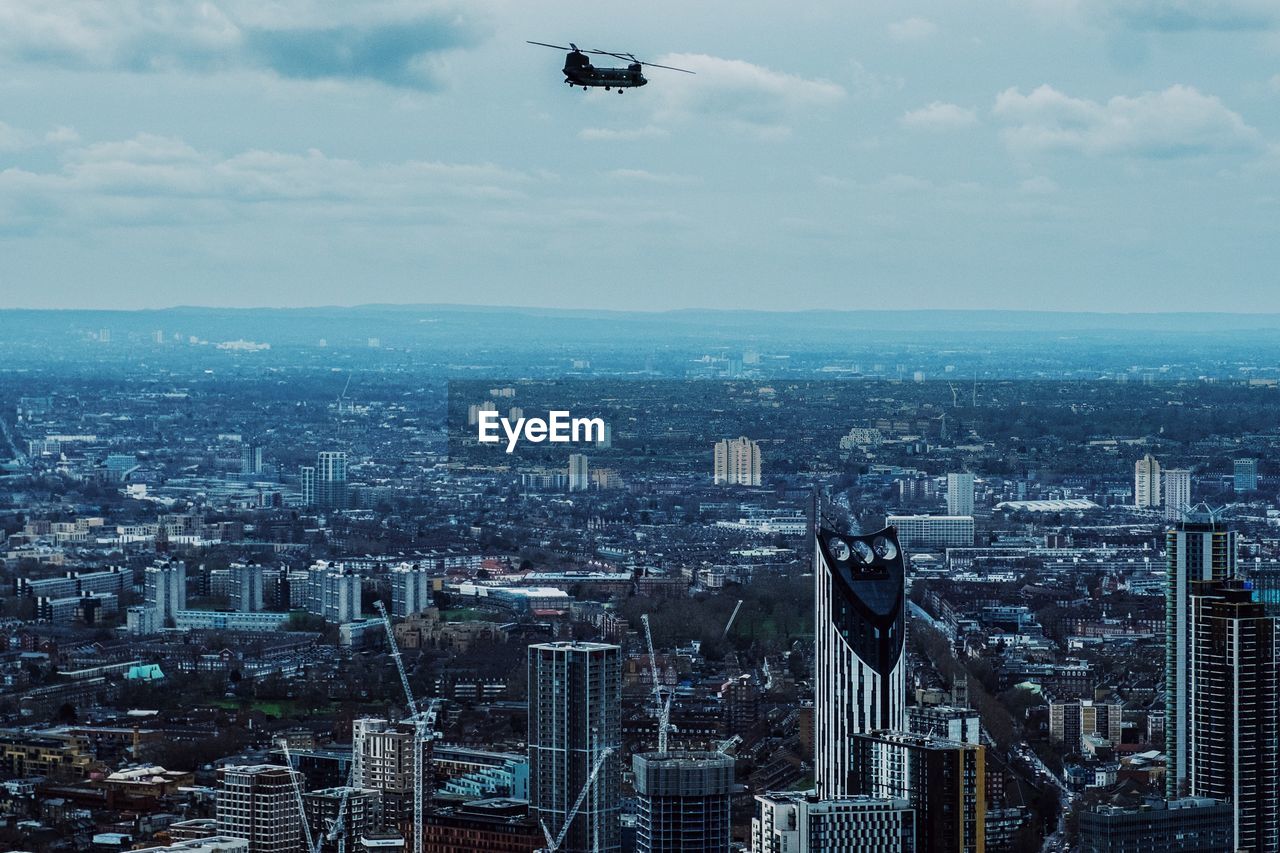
[578, 70]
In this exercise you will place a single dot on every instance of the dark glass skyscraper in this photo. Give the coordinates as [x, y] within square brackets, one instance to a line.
[1235, 710]
[575, 693]
[1199, 548]
[860, 623]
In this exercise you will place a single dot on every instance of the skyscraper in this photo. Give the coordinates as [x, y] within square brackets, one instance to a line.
[251, 459]
[960, 493]
[578, 480]
[334, 593]
[410, 590]
[737, 462]
[860, 629]
[246, 587]
[943, 780]
[1234, 752]
[575, 694]
[1246, 475]
[257, 802]
[165, 589]
[1146, 482]
[382, 760]
[683, 801]
[1199, 548]
[331, 479]
[307, 482]
[1177, 492]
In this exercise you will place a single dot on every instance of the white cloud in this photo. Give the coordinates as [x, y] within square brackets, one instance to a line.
[13, 139]
[387, 42]
[644, 176]
[1038, 185]
[1177, 121]
[1187, 15]
[939, 116]
[911, 29]
[165, 180]
[744, 96]
[625, 134]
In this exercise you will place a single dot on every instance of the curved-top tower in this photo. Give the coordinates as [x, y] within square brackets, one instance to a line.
[860, 628]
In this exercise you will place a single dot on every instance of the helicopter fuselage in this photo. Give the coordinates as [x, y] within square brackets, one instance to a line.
[578, 71]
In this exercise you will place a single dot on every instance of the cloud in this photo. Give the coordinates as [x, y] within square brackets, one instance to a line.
[13, 139]
[744, 96]
[164, 180]
[871, 85]
[939, 116]
[1178, 121]
[386, 43]
[1188, 15]
[1038, 185]
[646, 177]
[912, 29]
[626, 134]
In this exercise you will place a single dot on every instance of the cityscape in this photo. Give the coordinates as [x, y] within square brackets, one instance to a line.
[482, 426]
[779, 602]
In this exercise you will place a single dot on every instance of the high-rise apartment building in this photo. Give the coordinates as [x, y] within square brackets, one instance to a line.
[1198, 548]
[860, 683]
[410, 590]
[579, 481]
[307, 484]
[334, 593]
[575, 694]
[1072, 720]
[165, 590]
[251, 458]
[246, 587]
[257, 802]
[795, 822]
[382, 760]
[345, 813]
[331, 479]
[1146, 482]
[944, 781]
[737, 462]
[683, 801]
[1234, 701]
[960, 493]
[1245, 475]
[1177, 492]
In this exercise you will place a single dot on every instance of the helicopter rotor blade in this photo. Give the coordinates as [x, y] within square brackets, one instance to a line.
[630, 57]
[544, 44]
[668, 67]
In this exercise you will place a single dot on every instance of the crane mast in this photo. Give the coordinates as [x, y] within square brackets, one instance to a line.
[553, 844]
[662, 696]
[422, 720]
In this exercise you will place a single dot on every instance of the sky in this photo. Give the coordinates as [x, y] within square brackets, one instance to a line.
[1102, 155]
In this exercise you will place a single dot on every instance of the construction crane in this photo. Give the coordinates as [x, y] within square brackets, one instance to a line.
[336, 831]
[661, 696]
[312, 846]
[732, 616]
[423, 722]
[553, 844]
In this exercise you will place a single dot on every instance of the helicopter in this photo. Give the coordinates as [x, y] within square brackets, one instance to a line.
[578, 70]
